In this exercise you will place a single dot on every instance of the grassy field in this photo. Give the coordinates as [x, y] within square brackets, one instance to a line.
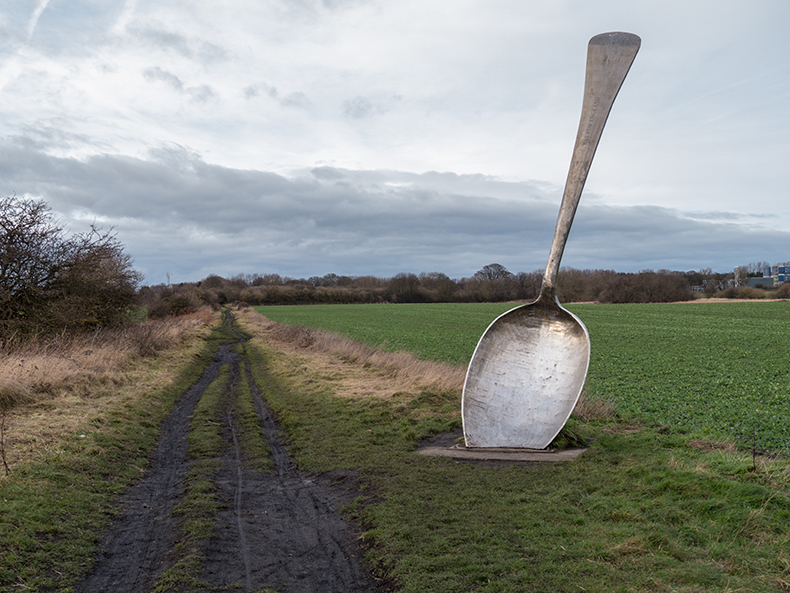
[718, 369]
[446, 332]
[653, 505]
[646, 508]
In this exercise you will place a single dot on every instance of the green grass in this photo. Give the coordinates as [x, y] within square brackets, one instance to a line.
[718, 369]
[646, 508]
[715, 368]
[446, 332]
[639, 511]
[54, 510]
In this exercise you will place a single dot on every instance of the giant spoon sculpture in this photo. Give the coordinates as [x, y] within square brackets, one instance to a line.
[528, 369]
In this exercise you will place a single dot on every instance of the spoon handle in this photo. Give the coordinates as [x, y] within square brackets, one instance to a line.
[609, 57]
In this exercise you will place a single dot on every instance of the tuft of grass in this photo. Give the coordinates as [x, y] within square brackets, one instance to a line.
[181, 576]
[252, 439]
[205, 435]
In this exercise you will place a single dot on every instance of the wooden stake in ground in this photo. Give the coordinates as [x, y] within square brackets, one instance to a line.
[2, 442]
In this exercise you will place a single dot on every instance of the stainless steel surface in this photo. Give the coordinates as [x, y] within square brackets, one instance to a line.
[528, 369]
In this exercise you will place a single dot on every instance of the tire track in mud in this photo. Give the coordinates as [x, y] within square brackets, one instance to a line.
[295, 539]
[277, 529]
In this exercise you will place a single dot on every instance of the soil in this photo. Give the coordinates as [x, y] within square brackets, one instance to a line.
[279, 529]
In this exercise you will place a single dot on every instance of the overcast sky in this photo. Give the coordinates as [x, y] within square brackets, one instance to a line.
[306, 137]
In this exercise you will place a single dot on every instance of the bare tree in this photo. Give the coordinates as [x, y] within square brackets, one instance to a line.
[493, 283]
[492, 272]
[439, 286]
[32, 250]
[405, 288]
[50, 281]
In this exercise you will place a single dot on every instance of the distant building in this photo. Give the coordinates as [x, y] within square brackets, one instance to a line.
[780, 273]
[777, 273]
[758, 282]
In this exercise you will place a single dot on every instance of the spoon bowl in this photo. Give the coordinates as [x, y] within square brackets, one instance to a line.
[525, 377]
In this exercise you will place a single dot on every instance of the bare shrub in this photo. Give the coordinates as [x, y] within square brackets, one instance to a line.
[645, 287]
[783, 292]
[742, 292]
[50, 281]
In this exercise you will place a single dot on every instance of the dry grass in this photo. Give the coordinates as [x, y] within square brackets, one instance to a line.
[33, 371]
[50, 391]
[708, 445]
[590, 410]
[356, 370]
[369, 371]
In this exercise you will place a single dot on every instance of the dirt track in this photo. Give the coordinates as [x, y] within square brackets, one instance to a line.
[277, 529]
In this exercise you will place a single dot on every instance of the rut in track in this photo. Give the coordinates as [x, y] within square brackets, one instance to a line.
[277, 529]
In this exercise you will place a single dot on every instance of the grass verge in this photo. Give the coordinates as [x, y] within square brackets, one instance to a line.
[644, 509]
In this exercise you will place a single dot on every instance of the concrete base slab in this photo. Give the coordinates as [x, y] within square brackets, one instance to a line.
[460, 451]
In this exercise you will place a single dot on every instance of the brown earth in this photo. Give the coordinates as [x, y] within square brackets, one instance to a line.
[279, 529]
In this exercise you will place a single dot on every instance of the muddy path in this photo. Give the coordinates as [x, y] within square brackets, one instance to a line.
[276, 530]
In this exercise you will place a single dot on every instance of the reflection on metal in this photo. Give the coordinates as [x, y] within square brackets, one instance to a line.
[529, 367]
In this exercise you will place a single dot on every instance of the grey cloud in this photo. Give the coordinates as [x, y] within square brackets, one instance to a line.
[192, 48]
[177, 213]
[201, 93]
[156, 73]
[361, 107]
[327, 173]
[651, 237]
[252, 91]
[358, 107]
[296, 100]
[49, 135]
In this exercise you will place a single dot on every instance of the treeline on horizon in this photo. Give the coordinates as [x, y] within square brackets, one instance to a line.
[493, 283]
[54, 283]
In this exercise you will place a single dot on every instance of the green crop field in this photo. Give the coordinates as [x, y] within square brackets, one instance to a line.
[718, 369]
[447, 332]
